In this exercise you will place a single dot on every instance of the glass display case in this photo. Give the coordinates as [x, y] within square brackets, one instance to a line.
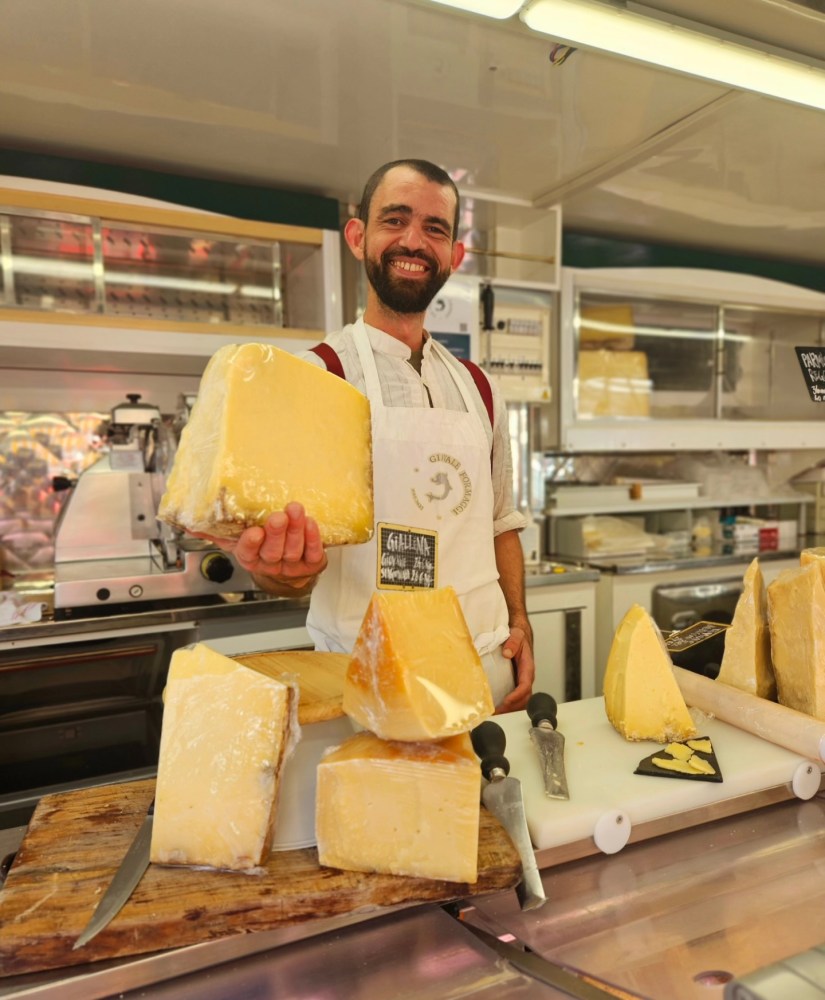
[663, 359]
[98, 266]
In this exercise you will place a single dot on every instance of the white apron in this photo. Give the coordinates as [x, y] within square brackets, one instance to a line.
[433, 524]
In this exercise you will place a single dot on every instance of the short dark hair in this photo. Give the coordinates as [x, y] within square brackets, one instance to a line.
[423, 167]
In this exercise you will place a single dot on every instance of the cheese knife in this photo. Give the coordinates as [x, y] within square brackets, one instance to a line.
[131, 871]
[503, 797]
[549, 742]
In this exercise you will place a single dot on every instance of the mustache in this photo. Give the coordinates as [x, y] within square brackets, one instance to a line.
[389, 255]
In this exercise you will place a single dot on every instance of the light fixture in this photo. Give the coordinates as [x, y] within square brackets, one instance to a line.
[642, 34]
[492, 8]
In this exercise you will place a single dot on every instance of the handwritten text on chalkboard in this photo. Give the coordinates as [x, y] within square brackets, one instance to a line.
[407, 557]
[812, 362]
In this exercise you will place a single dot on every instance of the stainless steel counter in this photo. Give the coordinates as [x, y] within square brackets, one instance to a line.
[623, 565]
[674, 918]
[286, 611]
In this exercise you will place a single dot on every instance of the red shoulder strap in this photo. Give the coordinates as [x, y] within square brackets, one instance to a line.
[483, 386]
[330, 358]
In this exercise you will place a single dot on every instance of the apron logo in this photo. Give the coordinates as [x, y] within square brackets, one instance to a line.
[449, 478]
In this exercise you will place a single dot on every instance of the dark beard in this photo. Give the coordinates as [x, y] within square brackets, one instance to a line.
[406, 297]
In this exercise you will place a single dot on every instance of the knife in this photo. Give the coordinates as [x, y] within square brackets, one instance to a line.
[132, 867]
[502, 796]
[549, 742]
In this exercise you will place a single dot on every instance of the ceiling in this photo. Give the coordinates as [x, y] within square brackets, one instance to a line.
[311, 95]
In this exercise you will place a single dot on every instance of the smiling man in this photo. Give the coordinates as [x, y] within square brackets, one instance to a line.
[441, 450]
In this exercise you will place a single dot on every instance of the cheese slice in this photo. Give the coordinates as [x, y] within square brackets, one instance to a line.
[641, 696]
[400, 808]
[226, 732]
[415, 673]
[796, 610]
[268, 428]
[746, 660]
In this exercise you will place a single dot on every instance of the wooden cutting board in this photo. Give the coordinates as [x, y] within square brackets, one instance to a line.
[75, 843]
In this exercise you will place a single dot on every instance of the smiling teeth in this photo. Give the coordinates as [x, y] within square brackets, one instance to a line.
[408, 267]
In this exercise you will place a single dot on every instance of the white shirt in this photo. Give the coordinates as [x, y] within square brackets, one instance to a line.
[401, 385]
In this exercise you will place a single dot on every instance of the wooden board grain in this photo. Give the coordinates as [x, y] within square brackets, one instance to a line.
[74, 845]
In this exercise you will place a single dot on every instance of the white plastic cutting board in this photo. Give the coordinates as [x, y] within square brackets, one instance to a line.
[607, 799]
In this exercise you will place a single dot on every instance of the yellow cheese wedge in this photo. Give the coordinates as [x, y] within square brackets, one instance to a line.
[641, 696]
[807, 556]
[796, 610]
[226, 732]
[400, 808]
[415, 673]
[746, 661]
[268, 428]
[613, 383]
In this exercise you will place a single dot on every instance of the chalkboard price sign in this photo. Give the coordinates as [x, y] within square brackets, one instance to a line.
[407, 558]
[812, 362]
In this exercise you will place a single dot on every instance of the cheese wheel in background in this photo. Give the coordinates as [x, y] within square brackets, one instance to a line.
[796, 611]
[400, 808]
[641, 696]
[268, 428]
[746, 661]
[415, 673]
[226, 732]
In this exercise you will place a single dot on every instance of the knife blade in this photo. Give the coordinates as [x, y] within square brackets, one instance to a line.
[131, 871]
[503, 797]
[549, 742]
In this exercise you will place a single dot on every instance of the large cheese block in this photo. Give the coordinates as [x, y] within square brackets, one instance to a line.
[268, 428]
[746, 661]
[226, 732]
[415, 673]
[796, 611]
[613, 384]
[807, 556]
[400, 808]
[641, 696]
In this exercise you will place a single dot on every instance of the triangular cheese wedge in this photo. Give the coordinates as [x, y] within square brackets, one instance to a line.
[746, 662]
[415, 673]
[641, 696]
[796, 611]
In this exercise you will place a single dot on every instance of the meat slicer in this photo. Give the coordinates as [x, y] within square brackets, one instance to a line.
[112, 555]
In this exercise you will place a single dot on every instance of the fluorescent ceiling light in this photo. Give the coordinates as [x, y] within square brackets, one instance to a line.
[645, 35]
[492, 8]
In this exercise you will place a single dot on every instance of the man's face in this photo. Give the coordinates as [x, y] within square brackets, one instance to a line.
[407, 245]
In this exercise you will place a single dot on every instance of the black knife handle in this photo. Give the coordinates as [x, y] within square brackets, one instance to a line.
[489, 742]
[542, 706]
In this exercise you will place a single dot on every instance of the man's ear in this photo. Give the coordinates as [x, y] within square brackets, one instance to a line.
[354, 235]
[457, 255]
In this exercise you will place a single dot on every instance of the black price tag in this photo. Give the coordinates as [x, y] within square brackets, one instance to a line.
[407, 558]
[812, 363]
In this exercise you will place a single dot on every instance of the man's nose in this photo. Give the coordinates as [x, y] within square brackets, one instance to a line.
[413, 237]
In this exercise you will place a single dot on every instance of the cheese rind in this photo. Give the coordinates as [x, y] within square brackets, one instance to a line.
[226, 732]
[400, 808]
[415, 673]
[641, 696]
[796, 611]
[268, 428]
[746, 660]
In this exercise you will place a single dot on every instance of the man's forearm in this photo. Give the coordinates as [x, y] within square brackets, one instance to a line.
[510, 565]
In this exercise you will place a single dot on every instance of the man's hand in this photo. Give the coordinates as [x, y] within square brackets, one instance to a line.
[284, 556]
[518, 648]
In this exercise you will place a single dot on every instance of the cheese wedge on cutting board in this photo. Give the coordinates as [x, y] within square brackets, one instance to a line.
[641, 696]
[268, 428]
[400, 808]
[415, 673]
[227, 730]
[746, 661]
[796, 610]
